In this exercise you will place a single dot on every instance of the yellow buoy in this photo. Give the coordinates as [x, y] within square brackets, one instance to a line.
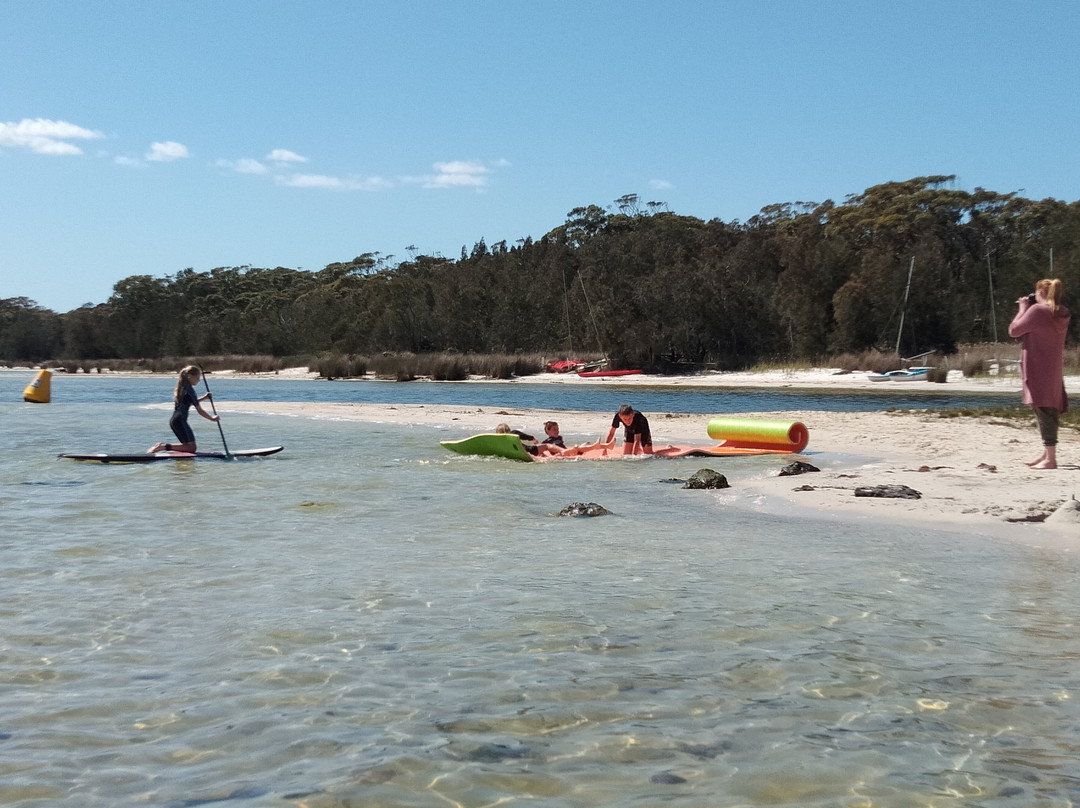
[37, 392]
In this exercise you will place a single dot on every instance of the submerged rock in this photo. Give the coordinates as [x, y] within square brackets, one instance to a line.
[798, 467]
[497, 753]
[887, 492]
[705, 751]
[667, 778]
[707, 478]
[584, 509]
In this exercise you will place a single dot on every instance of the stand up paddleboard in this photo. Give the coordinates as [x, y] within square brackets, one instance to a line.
[101, 457]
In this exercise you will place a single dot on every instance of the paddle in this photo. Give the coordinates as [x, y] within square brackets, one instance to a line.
[212, 407]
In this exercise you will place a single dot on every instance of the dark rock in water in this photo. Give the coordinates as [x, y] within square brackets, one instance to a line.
[375, 776]
[887, 492]
[584, 509]
[667, 779]
[497, 753]
[243, 793]
[804, 488]
[672, 480]
[705, 751]
[798, 467]
[707, 478]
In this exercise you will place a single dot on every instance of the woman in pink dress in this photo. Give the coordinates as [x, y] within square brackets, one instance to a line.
[1041, 323]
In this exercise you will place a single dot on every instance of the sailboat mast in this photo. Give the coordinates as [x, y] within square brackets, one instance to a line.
[903, 311]
[566, 305]
[592, 317]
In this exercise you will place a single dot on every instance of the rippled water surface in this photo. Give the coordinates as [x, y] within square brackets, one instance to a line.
[368, 620]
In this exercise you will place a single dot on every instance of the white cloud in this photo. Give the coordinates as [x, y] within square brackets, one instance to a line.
[332, 183]
[456, 174]
[245, 165]
[129, 161]
[450, 174]
[285, 156]
[43, 136]
[311, 181]
[660, 185]
[166, 152]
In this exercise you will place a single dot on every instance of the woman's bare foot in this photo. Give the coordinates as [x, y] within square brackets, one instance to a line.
[1048, 460]
[157, 447]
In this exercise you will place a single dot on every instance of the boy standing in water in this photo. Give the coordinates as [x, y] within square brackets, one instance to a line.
[637, 439]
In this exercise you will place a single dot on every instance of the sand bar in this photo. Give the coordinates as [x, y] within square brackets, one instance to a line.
[971, 472]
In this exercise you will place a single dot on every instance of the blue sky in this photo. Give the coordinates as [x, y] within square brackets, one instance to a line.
[143, 138]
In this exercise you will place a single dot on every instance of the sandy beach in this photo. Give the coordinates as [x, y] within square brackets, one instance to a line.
[970, 472]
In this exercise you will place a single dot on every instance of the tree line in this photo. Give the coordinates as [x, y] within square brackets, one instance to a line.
[633, 281]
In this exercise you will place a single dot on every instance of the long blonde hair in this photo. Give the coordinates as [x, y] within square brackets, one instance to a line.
[1053, 292]
[185, 379]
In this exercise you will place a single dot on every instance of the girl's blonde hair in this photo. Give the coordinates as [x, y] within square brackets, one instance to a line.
[1053, 290]
[186, 376]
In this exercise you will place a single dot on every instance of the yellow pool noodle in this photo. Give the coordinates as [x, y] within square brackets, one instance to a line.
[749, 433]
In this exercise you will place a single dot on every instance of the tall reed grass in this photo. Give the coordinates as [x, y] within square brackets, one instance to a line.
[404, 367]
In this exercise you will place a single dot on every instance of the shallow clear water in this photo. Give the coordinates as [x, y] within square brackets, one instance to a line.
[366, 619]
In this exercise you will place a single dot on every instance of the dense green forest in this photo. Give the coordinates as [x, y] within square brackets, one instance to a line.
[633, 281]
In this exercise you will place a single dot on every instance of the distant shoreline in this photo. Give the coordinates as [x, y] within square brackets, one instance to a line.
[809, 379]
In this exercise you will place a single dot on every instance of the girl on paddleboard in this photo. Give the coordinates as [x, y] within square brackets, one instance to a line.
[184, 399]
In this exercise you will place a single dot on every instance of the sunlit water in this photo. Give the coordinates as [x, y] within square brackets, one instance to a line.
[369, 620]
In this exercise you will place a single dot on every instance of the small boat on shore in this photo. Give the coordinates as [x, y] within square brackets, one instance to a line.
[600, 374]
[565, 366]
[909, 375]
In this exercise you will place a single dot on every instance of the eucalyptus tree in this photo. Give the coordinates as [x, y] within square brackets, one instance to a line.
[142, 313]
[28, 332]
